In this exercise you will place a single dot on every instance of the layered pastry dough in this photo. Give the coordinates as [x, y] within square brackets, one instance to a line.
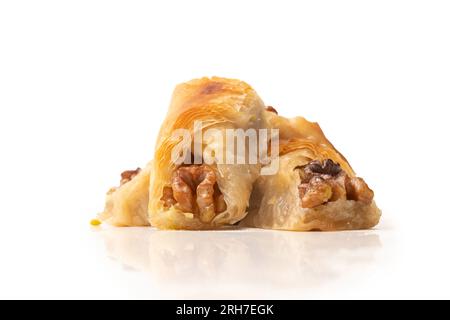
[127, 204]
[204, 196]
[315, 188]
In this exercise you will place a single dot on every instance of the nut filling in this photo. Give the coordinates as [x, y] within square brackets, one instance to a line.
[194, 189]
[128, 175]
[125, 177]
[327, 182]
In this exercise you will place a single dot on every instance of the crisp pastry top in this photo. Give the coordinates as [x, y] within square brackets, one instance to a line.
[214, 100]
[300, 134]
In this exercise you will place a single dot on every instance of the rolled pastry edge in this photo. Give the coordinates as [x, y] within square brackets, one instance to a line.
[277, 202]
[334, 216]
[127, 205]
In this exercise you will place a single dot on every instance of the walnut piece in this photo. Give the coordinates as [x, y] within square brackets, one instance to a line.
[315, 193]
[327, 182]
[194, 189]
[168, 198]
[328, 167]
[128, 175]
[358, 190]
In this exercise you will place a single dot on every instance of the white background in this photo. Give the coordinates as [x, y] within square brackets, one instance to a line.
[84, 86]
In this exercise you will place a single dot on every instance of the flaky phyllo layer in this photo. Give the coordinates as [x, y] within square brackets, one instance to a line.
[127, 204]
[314, 187]
[204, 196]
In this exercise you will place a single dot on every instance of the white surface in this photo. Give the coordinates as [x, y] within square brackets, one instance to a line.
[84, 87]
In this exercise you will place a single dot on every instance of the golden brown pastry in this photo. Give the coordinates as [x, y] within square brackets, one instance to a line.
[127, 204]
[203, 195]
[315, 188]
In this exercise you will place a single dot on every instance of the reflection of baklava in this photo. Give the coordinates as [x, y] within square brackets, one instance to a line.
[127, 204]
[201, 195]
[314, 189]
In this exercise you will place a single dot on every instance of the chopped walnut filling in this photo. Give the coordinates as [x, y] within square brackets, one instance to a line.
[128, 175]
[327, 182]
[194, 189]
